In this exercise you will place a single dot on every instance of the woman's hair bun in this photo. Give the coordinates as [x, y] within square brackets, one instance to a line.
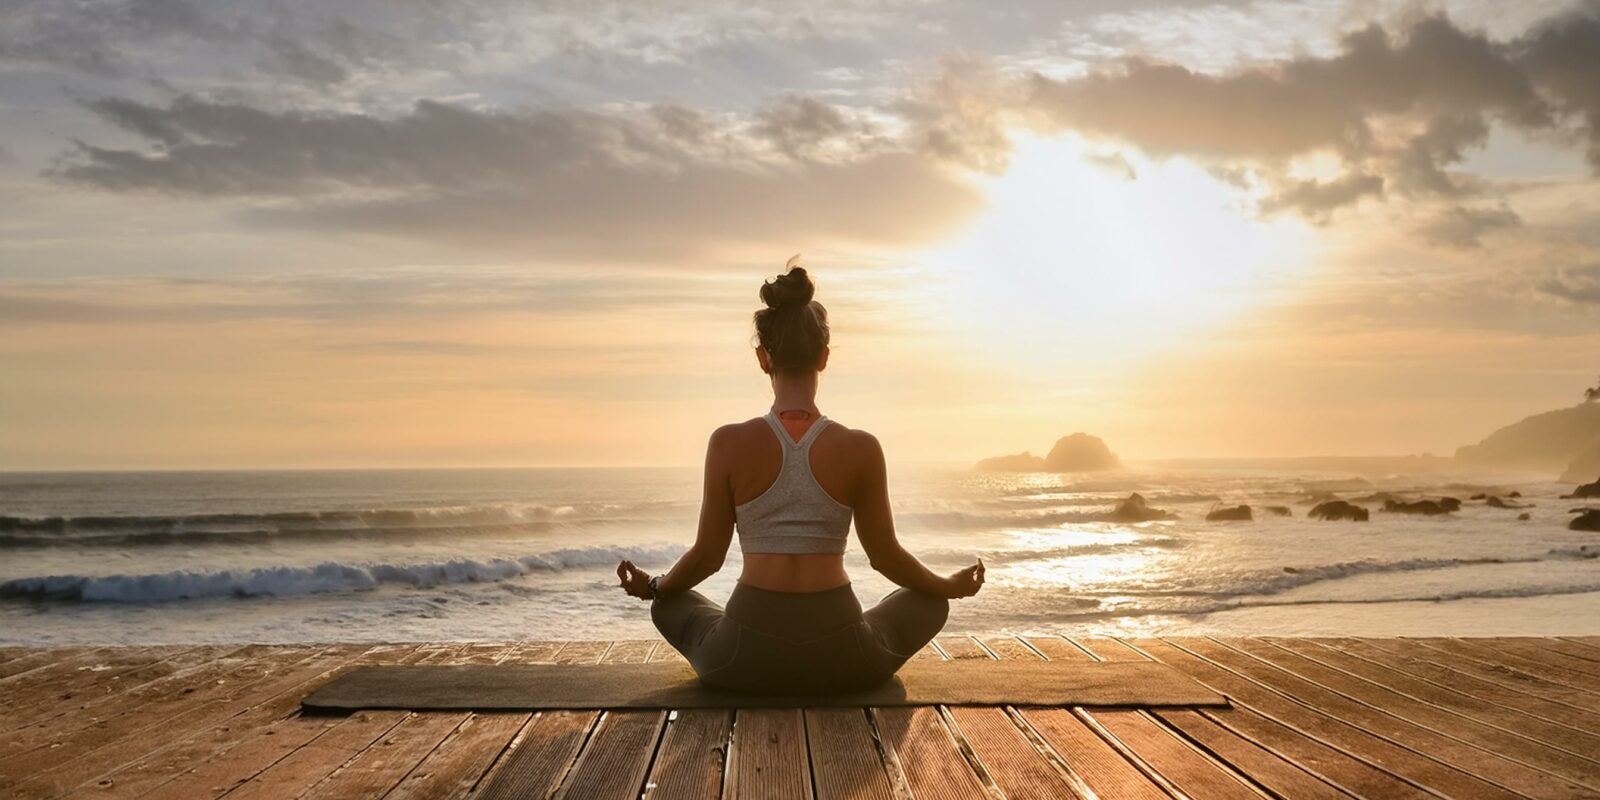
[792, 288]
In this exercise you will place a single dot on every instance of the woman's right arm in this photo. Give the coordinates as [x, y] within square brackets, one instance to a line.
[875, 527]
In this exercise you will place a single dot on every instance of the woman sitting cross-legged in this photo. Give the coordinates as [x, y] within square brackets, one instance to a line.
[791, 481]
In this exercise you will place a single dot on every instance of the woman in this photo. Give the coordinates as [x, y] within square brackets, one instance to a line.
[790, 482]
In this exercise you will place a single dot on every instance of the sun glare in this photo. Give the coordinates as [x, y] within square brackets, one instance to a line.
[1098, 253]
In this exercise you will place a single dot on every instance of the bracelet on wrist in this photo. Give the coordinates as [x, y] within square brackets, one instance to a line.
[655, 591]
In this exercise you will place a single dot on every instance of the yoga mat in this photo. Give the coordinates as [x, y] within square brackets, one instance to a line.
[489, 687]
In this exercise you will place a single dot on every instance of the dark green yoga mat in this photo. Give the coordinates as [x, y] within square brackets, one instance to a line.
[671, 685]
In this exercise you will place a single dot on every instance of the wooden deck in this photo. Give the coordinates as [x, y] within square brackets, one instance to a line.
[1312, 718]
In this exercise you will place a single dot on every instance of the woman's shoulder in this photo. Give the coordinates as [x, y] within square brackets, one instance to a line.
[735, 432]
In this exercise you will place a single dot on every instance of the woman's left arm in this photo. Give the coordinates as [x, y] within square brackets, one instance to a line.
[715, 534]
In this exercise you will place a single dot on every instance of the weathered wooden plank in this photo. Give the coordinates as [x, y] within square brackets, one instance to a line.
[1590, 644]
[149, 699]
[665, 652]
[231, 752]
[1278, 774]
[693, 756]
[1494, 673]
[1476, 650]
[1009, 757]
[1576, 671]
[1058, 648]
[540, 757]
[1573, 650]
[769, 755]
[931, 764]
[1265, 766]
[461, 760]
[1107, 773]
[959, 646]
[385, 762]
[1526, 752]
[46, 685]
[1401, 658]
[297, 772]
[616, 758]
[1163, 753]
[845, 759]
[582, 652]
[531, 652]
[205, 699]
[483, 653]
[1573, 741]
[247, 707]
[1478, 761]
[1009, 647]
[1016, 757]
[1245, 691]
[92, 689]
[630, 651]
[1342, 769]
[1155, 749]
[43, 659]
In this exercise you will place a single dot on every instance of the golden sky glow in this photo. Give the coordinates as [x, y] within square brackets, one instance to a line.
[1195, 231]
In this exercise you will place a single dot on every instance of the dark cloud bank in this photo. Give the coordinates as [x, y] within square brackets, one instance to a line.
[1398, 109]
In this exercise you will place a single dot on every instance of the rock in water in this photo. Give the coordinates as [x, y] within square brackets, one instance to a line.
[1339, 509]
[1524, 517]
[1281, 511]
[1586, 490]
[1589, 520]
[1450, 503]
[1080, 452]
[1424, 507]
[1135, 509]
[1235, 514]
[1495, 502]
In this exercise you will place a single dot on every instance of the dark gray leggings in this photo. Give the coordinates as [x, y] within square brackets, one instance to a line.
[797, 642]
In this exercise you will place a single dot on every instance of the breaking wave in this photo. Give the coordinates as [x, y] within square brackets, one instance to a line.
[325, 577]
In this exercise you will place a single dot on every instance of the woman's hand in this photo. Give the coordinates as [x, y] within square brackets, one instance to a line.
[635, 581]
[965, 583]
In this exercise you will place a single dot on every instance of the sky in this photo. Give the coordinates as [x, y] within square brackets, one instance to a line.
[406, 233]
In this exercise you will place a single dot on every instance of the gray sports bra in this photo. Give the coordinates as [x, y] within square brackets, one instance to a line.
[794, 514]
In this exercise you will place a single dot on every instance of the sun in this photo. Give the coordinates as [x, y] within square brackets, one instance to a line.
[1089, 252]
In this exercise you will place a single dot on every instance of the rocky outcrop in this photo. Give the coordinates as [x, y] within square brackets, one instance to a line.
[1135, 509]
[1589, 520]
[1495, 502]
[1584, 491]
[1021, 462]
[1235, 514]
[1339, 509]
[1080, 452]
[1548, 442]
[1427, 508]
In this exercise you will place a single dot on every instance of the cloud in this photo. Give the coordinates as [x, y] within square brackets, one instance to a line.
[1396, 110]
[1463, 228]
[1580, 284]
[119, 38]
[563, 181]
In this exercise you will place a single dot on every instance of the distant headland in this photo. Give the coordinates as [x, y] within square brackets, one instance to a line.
[1564, 444]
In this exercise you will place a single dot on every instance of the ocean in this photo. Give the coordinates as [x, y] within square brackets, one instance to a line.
[400, 555]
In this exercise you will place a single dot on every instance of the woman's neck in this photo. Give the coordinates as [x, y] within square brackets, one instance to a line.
[790, 392]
